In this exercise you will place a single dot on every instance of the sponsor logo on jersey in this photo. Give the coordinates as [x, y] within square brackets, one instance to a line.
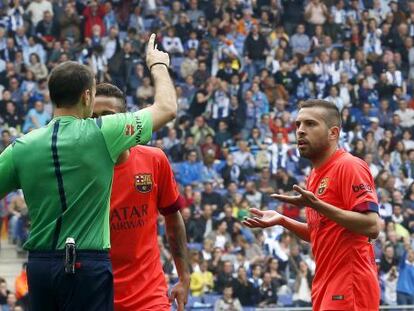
[361, 189]
[338, 297]
[129, 130]
[143, 182]
[323, 185]
[128, 217]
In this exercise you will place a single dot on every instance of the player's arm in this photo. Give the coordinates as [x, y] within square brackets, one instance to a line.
[125, 130]
[169, 205]
[8, 175]
[164, 108]
[359, 212]
[366, 223]
[264, 219]
[177, 239]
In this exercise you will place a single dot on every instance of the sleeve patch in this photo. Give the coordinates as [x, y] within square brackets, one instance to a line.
[175, 207]
[365, 207]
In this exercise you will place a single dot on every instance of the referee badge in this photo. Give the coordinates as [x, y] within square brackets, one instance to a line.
[143, 182]
[323, 185]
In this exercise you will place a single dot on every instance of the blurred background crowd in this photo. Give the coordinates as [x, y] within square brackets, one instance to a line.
[241, 67]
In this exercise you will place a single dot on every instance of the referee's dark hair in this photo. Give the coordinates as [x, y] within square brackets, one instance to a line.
[332, 114]
[110, 90]
[67, 82]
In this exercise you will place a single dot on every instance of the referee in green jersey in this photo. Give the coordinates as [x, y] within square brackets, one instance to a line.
[65, 170]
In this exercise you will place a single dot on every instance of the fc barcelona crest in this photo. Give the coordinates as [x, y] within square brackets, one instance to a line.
[143, 182]
[323, 185]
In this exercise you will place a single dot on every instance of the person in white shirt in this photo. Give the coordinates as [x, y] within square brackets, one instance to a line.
[171, 43]
[406, 114]
[37, 8]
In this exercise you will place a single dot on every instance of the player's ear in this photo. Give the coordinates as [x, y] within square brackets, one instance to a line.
[86, 97]
[334, 132]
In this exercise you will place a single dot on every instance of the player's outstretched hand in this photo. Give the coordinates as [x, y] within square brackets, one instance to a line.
[262, 219]
[305, 197]
[179, 292]
[154, 55]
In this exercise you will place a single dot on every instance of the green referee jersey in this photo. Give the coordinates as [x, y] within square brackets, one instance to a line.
[65, 170]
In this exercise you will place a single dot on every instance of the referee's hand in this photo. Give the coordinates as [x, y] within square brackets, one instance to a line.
[154, 55]
[179, 292]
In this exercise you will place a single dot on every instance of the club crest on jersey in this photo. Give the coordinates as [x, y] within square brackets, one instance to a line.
[143, 182]
[323, 185]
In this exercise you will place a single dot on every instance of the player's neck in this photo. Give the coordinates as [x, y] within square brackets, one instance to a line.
[74, 112]
[324, 157]
[123, 157]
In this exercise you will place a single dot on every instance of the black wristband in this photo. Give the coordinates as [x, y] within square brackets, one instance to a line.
[159, 63]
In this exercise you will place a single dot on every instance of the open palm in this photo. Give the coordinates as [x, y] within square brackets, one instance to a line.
[305, 197]
[262, 219]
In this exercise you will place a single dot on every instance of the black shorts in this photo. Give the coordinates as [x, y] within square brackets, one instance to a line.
[89, 289]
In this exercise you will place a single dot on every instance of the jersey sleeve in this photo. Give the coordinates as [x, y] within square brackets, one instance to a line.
[125, 130]
[358, 188]
[168, 196]
[8, 175]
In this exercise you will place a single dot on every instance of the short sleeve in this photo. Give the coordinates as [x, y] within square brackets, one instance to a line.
[8, 175]
[358, 188]
[168, 196]
[125, 130]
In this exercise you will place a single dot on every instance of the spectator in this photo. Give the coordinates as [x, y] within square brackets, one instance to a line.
[405, 284]
[6, 140]
[36, 10]
[201, 282]
[227, 302]
[224, 276]
[300, 41]
[36, 117]
[302, 292]
[39, 69]
[188, 171]
[244, 289]
[21, 287]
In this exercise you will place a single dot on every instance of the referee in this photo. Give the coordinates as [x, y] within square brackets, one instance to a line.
[65, 170]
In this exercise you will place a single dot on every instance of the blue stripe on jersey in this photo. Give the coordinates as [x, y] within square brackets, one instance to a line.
[59, 178]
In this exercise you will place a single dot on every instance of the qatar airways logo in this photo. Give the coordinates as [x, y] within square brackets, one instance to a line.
[129, 217]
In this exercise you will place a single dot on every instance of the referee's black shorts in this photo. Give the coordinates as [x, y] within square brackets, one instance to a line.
[89, 289]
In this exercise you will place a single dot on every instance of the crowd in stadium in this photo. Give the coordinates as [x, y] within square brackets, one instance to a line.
[241, 67]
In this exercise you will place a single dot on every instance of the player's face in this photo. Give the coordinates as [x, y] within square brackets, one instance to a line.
[105, 106]
[312, 133]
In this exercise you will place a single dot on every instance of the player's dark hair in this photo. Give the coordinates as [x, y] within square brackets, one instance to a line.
[67, 82]
[332, 114]
[110, 90]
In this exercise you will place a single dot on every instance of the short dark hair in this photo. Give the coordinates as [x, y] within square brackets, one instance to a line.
[110, 90]
[332, 115]
[67, 82]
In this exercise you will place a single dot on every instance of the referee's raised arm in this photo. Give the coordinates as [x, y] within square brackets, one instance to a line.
[164, 108]
[125, 130]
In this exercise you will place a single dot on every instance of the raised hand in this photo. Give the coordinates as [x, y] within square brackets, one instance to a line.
[262, 219]
[305, 197]
[154, 55]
